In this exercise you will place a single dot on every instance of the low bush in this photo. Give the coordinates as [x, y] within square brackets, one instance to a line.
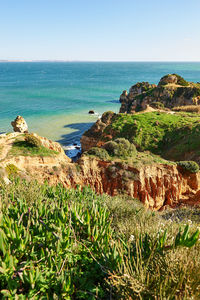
[157, 105]
[120, 147]
[11, 170]
[190, 166]
[98, 152]
[110, 146]
[32, 140]
[181, 80]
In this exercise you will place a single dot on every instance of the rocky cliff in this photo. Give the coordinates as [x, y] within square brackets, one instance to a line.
[156, 184]
[171, 91]
[152, 180]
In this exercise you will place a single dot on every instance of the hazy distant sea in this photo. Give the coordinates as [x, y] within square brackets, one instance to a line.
[55, 97]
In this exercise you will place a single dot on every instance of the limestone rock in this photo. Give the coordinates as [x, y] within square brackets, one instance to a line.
[123, 96]
[172, 91]
[170, 78]
[91, 137]
[19, 125]
[129, 100]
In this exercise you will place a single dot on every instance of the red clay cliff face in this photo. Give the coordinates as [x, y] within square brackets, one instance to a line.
[156, 185]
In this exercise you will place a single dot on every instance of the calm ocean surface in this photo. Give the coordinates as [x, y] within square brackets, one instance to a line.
[55, 97]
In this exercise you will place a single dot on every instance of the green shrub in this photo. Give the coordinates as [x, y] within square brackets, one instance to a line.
[158, 105]
[181, 80]
[32, 140]
[190, 166]
[110, 146]
[55, 168]
[120, 147]
[99, 152]
[11, 170]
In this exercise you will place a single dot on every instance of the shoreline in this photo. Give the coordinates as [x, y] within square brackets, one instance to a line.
[65, 129]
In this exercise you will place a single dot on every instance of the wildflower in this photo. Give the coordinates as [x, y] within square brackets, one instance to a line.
[132, 238]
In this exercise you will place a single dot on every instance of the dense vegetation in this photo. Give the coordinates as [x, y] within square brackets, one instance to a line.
[121, 149]
[73, 244]
[169, 135]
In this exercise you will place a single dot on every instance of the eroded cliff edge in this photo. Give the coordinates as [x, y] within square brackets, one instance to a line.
[153, 181]
[152, 155]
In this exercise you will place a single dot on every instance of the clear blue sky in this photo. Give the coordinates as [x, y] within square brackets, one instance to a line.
[102, 30]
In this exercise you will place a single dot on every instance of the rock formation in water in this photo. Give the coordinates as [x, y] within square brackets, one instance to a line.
[19, 125]
[171, 91]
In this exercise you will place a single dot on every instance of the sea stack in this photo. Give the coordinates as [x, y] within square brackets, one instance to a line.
[20, 125]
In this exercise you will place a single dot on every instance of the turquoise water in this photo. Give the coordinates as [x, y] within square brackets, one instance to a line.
[55, 97]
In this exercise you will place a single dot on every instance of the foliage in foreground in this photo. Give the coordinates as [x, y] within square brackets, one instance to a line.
[73, 244]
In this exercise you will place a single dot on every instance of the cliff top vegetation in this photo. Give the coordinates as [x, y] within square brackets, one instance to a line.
[174, 136]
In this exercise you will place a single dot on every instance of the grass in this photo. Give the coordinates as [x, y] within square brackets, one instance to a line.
[159, 133]
[73, 244]
[24, 149]
[148, 158]
[11, 170]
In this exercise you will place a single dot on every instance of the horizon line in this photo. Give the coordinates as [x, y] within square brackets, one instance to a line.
[62, 60]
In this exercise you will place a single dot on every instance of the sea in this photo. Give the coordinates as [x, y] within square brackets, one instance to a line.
[55, 97]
